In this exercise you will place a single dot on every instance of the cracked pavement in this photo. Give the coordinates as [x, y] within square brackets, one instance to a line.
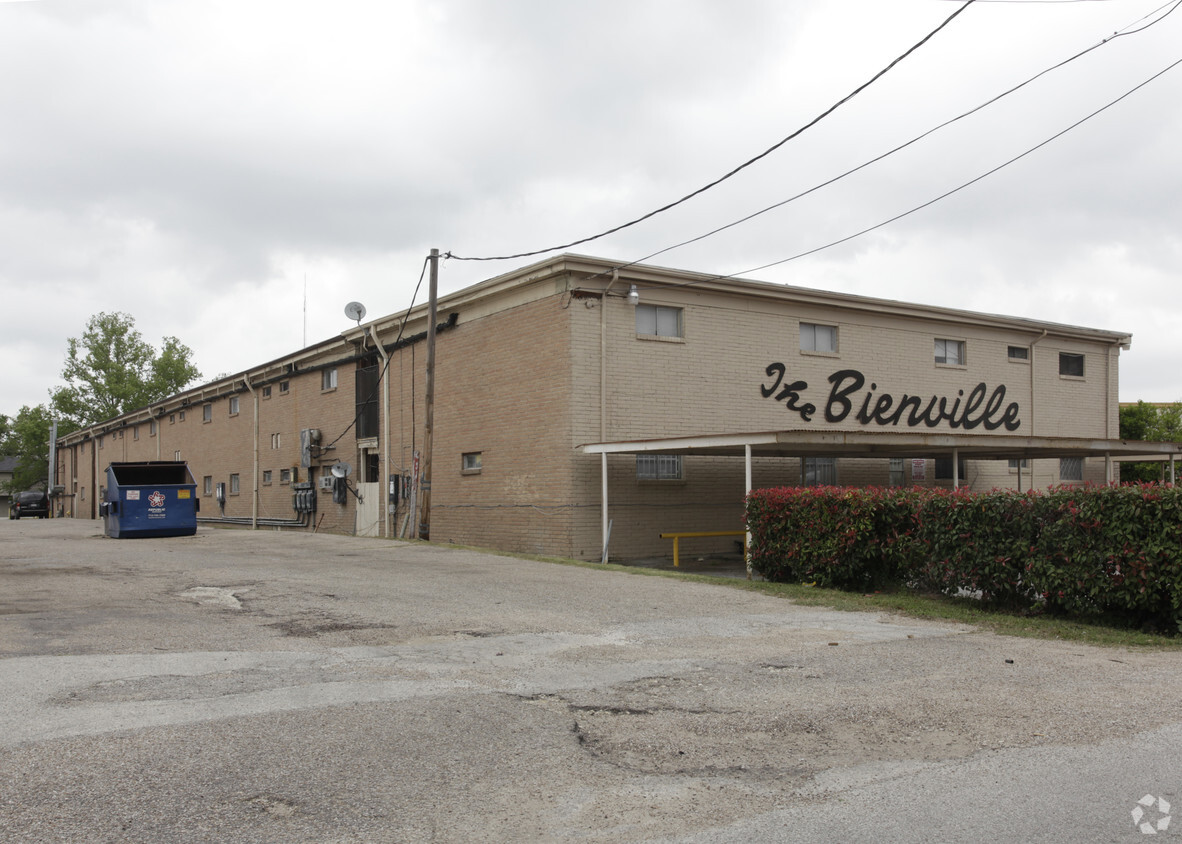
[267, 686]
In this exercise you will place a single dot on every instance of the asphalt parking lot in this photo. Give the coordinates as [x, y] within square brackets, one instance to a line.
[267, 686]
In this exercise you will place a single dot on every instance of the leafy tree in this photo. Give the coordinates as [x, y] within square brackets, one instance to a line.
[28, 438]
[6, 442]
[1150, 423]
[111, 370]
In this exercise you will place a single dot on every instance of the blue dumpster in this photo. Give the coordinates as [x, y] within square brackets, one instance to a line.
[154, 498]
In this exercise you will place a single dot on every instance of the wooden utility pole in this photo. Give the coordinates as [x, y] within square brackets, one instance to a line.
[429, 419]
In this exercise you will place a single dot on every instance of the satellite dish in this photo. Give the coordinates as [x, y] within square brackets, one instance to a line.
[355, 311]
[341, 470]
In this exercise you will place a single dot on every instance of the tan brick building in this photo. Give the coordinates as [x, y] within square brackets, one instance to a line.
[549, 374]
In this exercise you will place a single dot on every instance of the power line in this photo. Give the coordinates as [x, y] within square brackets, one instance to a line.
[1127, 30]
[736, 170]
[944, 195]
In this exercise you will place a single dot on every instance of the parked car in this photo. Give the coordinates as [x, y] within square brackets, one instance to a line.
[31, 503]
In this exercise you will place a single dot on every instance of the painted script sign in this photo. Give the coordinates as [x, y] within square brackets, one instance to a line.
[847, 398]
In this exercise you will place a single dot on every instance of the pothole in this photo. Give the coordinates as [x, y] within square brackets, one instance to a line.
[223, 597]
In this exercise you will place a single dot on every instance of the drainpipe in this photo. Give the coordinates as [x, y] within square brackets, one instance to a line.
[254, 498]
[603, 404]
[1033, 416]
[386, 461]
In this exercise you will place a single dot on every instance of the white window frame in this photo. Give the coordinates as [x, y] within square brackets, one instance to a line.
[234, 405]
[659, 321]
[811, 334]
[660, 467]
[207, 413]
[207, 485]
[942, 347]
[267, 477]
[235, 484]
[328, 379]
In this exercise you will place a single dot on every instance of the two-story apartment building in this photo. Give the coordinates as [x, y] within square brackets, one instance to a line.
[577, 394]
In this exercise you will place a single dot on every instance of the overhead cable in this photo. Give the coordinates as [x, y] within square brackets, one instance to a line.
[1173, 6]
[734, 171]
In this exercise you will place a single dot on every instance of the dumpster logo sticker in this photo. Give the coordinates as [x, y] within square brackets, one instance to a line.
[156, 505]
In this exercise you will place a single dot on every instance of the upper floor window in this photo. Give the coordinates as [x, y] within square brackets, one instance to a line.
[233, 405]
[207, 413]
[658, 321]
[1070, 364]
[818, 338]
[950, 352]
[276, 441]
[284, 386]
[328, 379]
[471, 462]
[267, 392]
[1018, 353]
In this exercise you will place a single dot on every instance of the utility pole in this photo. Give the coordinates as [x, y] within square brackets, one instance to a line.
[429, 418]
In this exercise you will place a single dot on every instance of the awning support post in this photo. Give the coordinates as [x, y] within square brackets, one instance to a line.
[747, 544]
[603, 504]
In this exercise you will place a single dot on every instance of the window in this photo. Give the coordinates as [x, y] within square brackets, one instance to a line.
[233, 405]
[820, 471]
[818, 338]
[207, 482]
[234, 484]
[285, 476]
[658, 321]
[267, 476]
[658, 467]
[267, 392]
[135, 432]
[896, 476]
[328, 379]
[207, 413]
[275, 441]
[1018, 353]
[172, 419]
[950, 352]
[944, 469]
[365, 388]
[1071, 468]
[152, 428]
[100, 441]
[471, 462]
[1019, 464]
[1071, 365]
[176, 456]
[181, 416]
[283, 387]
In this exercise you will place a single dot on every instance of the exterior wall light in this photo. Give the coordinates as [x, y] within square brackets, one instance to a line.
[633, 296]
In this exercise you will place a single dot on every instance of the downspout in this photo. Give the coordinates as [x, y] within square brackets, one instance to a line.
[1033, 416]
[603, 405]
[254, 498]
[385, 432]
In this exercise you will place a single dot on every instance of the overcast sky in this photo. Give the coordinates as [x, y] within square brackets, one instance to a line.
[197, 163]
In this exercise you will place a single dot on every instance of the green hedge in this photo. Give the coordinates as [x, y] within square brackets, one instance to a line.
[1110, 552]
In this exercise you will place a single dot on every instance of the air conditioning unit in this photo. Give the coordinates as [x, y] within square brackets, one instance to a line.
[326, 483]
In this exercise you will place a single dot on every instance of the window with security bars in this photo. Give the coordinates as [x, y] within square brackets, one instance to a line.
[1071, 468]
[658, 467]
[820, 471]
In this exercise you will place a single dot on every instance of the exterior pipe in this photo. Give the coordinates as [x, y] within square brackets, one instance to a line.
[254, 498]
[603, 403]
[386, 461]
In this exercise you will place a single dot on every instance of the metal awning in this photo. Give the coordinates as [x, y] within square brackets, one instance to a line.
[813, 443]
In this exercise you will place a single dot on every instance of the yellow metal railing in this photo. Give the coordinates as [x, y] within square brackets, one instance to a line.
[677, 537]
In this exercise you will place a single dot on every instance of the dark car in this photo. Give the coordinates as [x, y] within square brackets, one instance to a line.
[29, 504]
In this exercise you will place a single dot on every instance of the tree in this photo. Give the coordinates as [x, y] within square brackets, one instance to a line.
[1150, 423]
[111, 370]
[28, 438]
[7, 446]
